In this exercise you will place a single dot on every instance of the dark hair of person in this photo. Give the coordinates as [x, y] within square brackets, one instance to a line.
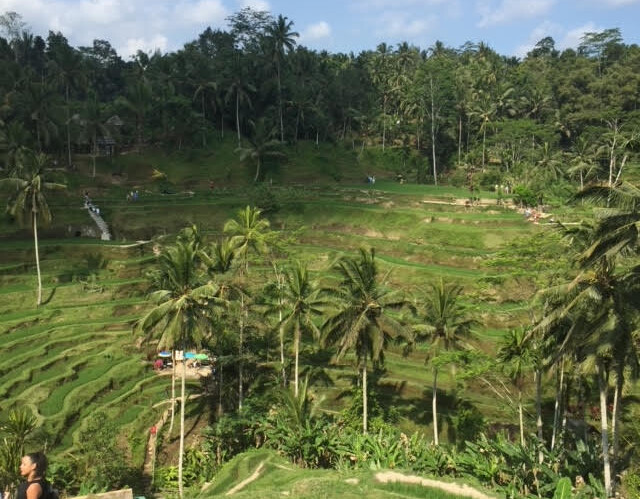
[40, 460]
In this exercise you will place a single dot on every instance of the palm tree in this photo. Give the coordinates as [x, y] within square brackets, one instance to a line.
[249, 232]
[617, 231]
[261, 146]
[137, 101]
[29, 199]
[203, 88]
[515, 356]
[582, 160]
[69, 71]
[303, 303]
[446, 327]
[485, 109]
[14, 144]
[94, 127]
[41, 102]
[181, 315]
[361, 321]
[601, 333]
[282, 40]
[240, 90]
[220, 257]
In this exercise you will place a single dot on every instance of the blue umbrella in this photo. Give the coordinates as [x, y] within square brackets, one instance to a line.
[189, 355]
[164, 354]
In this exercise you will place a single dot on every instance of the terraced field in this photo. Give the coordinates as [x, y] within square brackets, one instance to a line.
[76, 354]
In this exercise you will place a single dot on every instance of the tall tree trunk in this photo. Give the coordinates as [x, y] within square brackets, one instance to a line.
[241, 355]
[257, 170]
[604, 430]
[612, 154]
[68, 127]
[95, 153]
[556, 411]
[296, 347]
[521, 418]
[433, 135]
[220, 410]
[538, 379]
[204, 123]
[459, 138]
[282, 366]
[484, 140]
[365, 407]
[238, 116]
[615, 417]
[280, 103]
[173, 389]
[182, 404]
[434, 406]
[35, 242]
[384, 121]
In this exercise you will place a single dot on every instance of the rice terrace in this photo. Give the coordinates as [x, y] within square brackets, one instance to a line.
[248, 268]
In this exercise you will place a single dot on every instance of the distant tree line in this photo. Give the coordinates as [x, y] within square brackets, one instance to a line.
[541, 122]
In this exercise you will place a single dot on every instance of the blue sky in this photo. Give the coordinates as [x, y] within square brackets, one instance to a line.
[511, 27]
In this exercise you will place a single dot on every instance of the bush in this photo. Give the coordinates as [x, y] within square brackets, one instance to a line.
[524, 196]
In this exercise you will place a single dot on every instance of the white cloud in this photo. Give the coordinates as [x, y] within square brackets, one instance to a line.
[572, 38]
[128, 25]
[316, 32]
[619, 3]
[132, 45]
[254, 4]
[404, 26]
[510, 10]
[547, 28]
[203, 12]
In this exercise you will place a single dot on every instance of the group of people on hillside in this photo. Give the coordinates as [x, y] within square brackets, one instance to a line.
[89, 204]
[132, 195]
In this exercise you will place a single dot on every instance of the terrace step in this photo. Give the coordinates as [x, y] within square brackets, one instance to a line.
[105, 235]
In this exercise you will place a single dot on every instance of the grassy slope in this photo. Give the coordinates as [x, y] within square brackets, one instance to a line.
[278, 478]
[76, 355]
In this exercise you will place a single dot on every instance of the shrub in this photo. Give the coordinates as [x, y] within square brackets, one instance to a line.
[524, 196]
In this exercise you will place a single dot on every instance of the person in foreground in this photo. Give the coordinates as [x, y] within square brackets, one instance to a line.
[33, 468]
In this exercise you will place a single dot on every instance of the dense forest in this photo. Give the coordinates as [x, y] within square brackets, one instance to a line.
[555, 125]
[539, 123]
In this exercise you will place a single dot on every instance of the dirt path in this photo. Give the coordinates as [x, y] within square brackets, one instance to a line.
[254, 476]
[452, 488]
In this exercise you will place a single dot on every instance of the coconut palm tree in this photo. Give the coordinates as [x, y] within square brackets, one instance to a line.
[68, 69]
[240, 90]
[203, 89]
[94, 127]
[181, 317]
[599, 304]
[261, 146]
[446, 327]
[303, 303]
[249, 233]
[515, 355]
[361, 321]
[281, 38]
[29, 200]
[15, 140]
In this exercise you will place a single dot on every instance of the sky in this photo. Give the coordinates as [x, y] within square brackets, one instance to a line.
[511, 27]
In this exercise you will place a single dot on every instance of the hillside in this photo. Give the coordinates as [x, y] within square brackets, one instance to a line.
[266, 475]
[76, 355]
